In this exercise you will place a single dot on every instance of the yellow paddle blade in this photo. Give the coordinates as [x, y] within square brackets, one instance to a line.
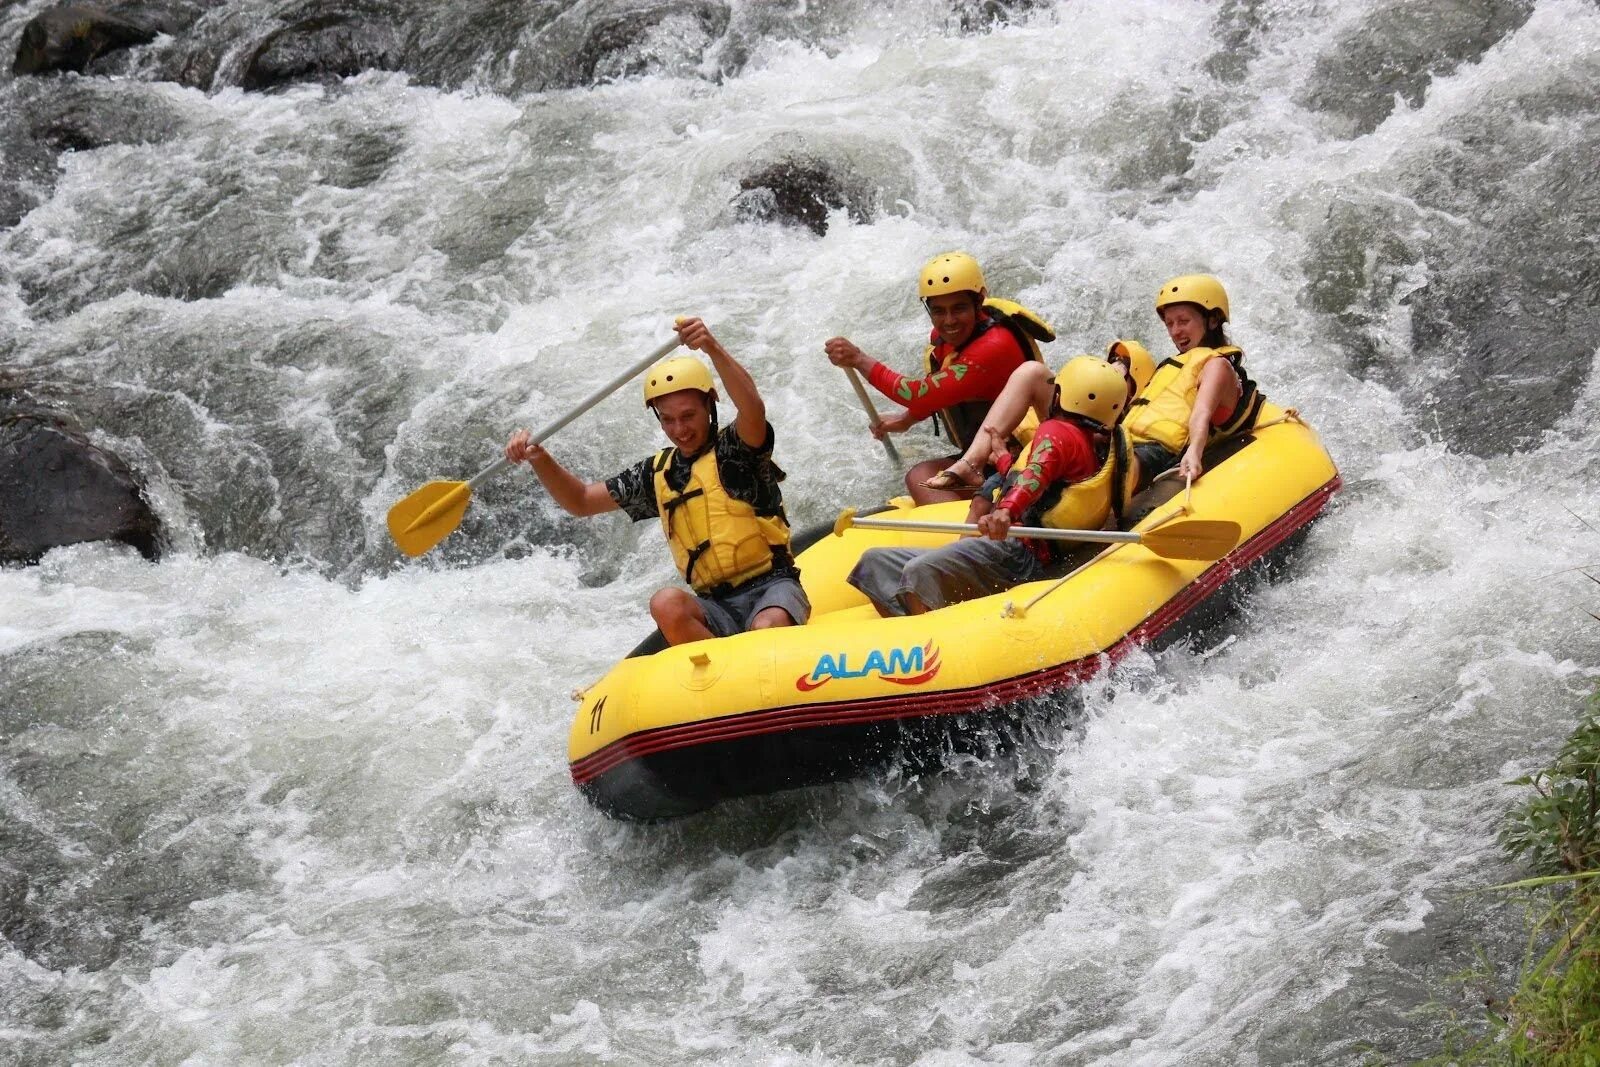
[428, 516]
[1192, 539]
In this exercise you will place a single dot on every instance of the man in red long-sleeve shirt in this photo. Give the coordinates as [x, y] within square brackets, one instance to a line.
[1066, 480]
[971, 352]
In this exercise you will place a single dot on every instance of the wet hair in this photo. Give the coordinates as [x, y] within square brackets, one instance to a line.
[1216, 335]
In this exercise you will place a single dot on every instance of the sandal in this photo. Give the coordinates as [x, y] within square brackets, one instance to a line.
[950, 480]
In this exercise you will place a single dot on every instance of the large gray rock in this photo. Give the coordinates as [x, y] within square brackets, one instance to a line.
[594, 41]
[164, 16]
[57, 488]
[1397, 51]
[72, 37]
[321, 48]
[801, 191]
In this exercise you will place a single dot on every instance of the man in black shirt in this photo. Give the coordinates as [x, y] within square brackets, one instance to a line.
[715, 492]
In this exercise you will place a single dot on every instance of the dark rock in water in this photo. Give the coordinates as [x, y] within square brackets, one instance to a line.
[977, 15]
[1239, 29]
[84, 114]
[28, 168]
[327, 46]
[1399, 49]
[13, 891]
[56, 488]
[70, 38]
[800, 192]
[618, 42]
[171, 17]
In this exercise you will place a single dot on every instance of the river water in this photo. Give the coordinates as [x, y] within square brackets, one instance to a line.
[283, 797]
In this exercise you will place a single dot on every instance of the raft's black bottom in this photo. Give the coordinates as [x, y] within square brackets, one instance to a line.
[703, 775]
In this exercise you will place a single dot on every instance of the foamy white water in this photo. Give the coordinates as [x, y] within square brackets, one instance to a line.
[282, 798]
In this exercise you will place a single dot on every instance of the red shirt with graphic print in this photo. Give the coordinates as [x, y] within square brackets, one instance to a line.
[1063, 451]
[976, 372]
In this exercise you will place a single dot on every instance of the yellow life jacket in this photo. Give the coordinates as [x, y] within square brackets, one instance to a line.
[718, 543]
[1161, 412]
[962, 421]
[1087, 504]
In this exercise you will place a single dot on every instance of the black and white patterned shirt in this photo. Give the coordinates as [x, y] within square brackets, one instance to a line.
[748, 474]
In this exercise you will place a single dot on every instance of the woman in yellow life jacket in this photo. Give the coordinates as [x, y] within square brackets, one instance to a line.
[1201, 394]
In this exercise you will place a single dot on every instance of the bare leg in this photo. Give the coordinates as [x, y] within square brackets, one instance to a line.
[678, 614]
[767, 618]
[1030, 385]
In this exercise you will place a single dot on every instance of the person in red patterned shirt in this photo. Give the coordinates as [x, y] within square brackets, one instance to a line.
[974, 346]
[1073, 475]
[1032, 389]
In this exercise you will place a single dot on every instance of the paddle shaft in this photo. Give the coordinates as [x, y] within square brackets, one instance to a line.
[872, 411]
[463, 490]
[583, 405]
[1043, 533]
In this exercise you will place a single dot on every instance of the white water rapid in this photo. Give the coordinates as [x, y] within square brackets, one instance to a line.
[282, 797]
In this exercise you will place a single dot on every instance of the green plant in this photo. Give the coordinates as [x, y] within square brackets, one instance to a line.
[1557, 831]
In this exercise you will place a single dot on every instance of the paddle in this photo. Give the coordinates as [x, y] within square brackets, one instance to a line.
[872, 413]
[430, 514]
[1205, 539]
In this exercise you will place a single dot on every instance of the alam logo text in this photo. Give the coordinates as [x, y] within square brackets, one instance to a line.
[902, 666]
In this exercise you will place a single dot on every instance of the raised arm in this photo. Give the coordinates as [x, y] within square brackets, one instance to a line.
[741, 387]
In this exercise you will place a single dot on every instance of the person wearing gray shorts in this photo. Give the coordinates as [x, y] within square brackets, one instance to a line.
[715, 493]
[733, 613]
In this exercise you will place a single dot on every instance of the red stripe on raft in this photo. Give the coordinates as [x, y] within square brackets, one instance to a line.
[955, 701]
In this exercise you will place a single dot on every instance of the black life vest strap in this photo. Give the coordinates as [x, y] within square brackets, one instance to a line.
[682, 498]
[1119, 465]
[694, 557]
[782, 560]
[1250, 399]
[1025, 340]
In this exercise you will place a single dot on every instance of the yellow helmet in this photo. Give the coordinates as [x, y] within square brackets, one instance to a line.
[1092, 388]
[1200, 289]
[952, 272]
[676, 374]
[1140, 364]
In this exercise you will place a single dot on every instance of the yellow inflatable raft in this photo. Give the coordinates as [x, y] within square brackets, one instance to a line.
[674, 730]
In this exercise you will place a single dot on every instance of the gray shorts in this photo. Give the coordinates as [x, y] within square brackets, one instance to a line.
[1154, 459]
[963, 570]
[731, 614]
